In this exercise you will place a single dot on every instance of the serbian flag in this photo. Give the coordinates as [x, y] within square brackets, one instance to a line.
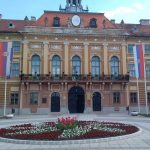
[139, 61]
[6, 56]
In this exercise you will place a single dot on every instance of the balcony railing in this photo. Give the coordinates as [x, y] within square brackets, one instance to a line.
[73, 78]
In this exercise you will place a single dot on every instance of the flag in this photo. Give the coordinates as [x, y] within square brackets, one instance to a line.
[6, 56]
[139, 61]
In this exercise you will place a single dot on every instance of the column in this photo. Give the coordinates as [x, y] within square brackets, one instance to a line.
[86, 58]
[45, 58]
[25, 57]
[105, 59]
[66, 59]
[124, 60]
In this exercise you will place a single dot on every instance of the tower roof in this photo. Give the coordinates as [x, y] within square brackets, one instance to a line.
[73, 6]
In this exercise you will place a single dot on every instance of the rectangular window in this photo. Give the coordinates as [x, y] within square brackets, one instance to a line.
[16, 45]
[130, 48]
[14, 97]
[133, 98]
[116, 97]
[147, 68]
[147, 49]
[34, 98]
[148, 97]
[131, 69]
[15, 70]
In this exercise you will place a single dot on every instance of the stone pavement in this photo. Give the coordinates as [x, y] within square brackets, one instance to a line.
[137, 141]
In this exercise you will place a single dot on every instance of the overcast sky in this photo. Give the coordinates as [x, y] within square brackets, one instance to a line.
[131, 11]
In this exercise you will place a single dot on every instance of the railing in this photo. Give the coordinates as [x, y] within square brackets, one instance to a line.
[74, 77]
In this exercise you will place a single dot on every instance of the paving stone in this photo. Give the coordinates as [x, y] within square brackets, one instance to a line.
[138, 141]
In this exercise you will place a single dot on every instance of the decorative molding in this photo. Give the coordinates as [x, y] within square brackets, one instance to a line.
[114, 48]
[96, 48]
[56, 46]
[66, 42]
[35, 46]
[76, 47]
[45, 42]
[25, 42]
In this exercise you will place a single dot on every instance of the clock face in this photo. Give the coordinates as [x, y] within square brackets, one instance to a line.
[76, 20]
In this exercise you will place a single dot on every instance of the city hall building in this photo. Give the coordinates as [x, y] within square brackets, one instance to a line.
[72, 61]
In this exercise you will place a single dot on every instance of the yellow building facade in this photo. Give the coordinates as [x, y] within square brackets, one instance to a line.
[73, 61]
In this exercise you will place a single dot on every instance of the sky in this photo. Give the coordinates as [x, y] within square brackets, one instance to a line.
[131, 11]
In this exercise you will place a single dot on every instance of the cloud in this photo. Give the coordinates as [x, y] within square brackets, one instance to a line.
[138, 6]
[135, 7]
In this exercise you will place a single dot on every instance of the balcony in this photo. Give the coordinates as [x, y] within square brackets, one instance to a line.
[74, 78]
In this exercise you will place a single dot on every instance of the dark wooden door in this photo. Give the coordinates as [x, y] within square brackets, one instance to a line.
[97, 101]
[55, 102]
[76, 100]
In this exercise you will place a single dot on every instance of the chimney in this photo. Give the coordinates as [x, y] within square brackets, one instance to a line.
[113, 21]
[33, 18]
[145, 21]
[0, 16]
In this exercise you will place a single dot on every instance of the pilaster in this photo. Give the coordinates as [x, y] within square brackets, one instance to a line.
[105, 58]
[124, 59]
[86, 55]
[25, 57]
[66, 59]
[45, 58]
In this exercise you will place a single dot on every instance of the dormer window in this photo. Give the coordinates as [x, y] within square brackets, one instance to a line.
[93, 23]
[56, 22]
[46, 21]
[11, 25]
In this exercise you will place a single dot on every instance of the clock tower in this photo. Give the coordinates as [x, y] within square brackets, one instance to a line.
[73, 6]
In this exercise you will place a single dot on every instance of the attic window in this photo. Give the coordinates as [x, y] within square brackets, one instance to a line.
[56, 22]
[93, 23]
[11, 25]
[46, 21]
[104, 23]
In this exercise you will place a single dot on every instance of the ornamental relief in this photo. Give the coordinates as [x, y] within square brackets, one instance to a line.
[76, 47]
[35, 45]
[114, 48]
[55, 47]
[98, 48]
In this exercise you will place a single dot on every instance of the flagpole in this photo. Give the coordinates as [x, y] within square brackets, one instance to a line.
[137, 83]
[136, 62]
[5, 96]
[145, 82]
[146, 91]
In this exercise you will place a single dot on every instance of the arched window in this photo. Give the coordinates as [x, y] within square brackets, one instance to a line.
[76, 65]
[114, 65]
[93, 23]
[56, 22]
[35, 64]
[56, 65]
[95, 66]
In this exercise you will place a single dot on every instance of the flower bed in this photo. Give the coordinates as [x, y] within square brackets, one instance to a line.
[67, 129]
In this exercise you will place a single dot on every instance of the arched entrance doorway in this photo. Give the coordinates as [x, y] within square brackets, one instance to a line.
[55, 102]
[76, 100]
[97, 101]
